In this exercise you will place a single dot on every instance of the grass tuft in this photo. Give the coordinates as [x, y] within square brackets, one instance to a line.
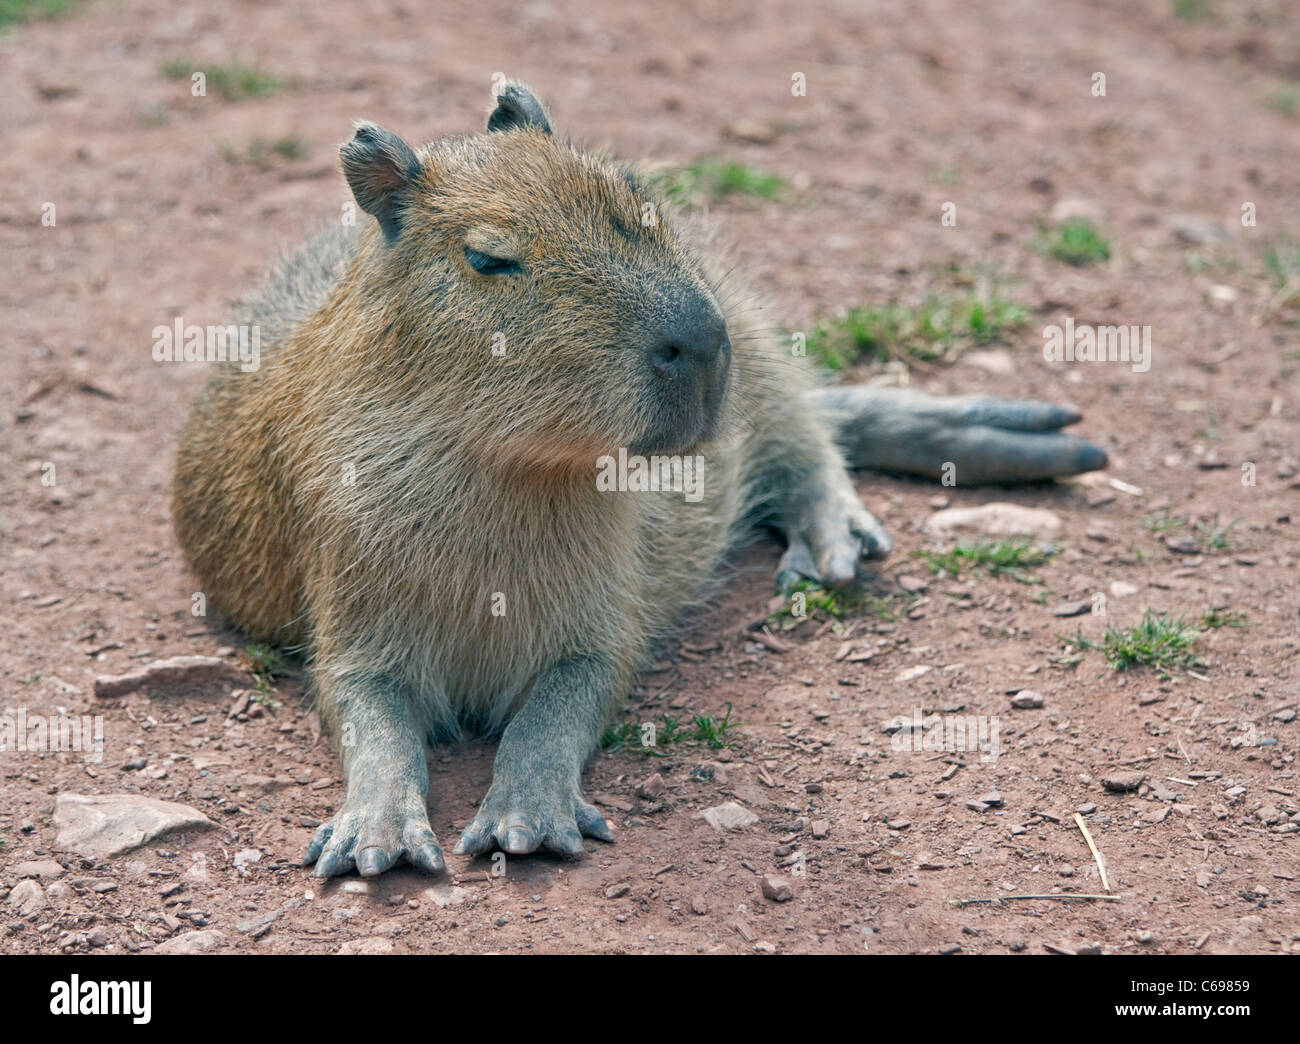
[1214, 536]
[713, 180]
[1157, 641]
[1192, 10]
[1162, 522]
[714, 733]
[264, 154]
[1077, 242]
[1282, 263]
[937, 329]
[266, 665]
[233, 81]
[821, 604]
[15, 12]
[1215, 618]
[1284, 100]
[996, 558]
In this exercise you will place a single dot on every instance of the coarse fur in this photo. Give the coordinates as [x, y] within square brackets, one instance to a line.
[405, 491]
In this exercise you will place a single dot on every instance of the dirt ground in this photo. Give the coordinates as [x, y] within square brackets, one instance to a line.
[165, 207]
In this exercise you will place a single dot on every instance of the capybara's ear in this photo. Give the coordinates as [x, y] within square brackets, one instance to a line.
[518, 109]
[380, 167]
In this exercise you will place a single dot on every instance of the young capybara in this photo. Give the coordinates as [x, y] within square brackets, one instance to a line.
[439, 491]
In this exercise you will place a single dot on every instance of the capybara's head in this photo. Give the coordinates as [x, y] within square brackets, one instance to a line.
[536, 290]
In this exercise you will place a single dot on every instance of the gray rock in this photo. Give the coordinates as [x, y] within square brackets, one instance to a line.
[193, 942]
[100, 826]
[1076, 208]
[997, 361]
[177, 674]
[1197, 230]
[371, 944]
[27, 898]
[1027, 699]
[445, 896]
[1162, 792]
[777, 888]
[45, 869]
[268, 917]
[652, 786]
[731, 816]
[1120, 782]
[998, 519]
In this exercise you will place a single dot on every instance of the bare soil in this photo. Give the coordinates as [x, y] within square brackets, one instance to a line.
[907, 107]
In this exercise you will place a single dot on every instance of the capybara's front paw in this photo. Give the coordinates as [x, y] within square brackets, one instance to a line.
[521, 815]
[373, 830]
[830, 535]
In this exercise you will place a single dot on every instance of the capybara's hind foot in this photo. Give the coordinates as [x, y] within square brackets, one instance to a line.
[373, 830]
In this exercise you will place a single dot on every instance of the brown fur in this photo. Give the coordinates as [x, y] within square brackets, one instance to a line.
[420, 514]
[474, 473]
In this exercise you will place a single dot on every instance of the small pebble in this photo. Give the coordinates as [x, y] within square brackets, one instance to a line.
[777, 888]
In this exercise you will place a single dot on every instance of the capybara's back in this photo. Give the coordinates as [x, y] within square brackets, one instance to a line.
[233, 501]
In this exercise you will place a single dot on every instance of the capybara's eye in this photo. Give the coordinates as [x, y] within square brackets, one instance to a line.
[489, 265]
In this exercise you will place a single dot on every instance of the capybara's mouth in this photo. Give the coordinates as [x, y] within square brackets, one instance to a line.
[684, 424]
[714, 395]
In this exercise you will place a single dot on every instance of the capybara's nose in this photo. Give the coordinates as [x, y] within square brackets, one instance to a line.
[692, 345]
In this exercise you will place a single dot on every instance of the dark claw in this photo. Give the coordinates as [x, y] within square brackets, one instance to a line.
[520, 841]
[318, 843]
[567, 843]
[592, 824]
[373, 861]
[474, 841]
[538, 819]
[332, 864]
[428, 858]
